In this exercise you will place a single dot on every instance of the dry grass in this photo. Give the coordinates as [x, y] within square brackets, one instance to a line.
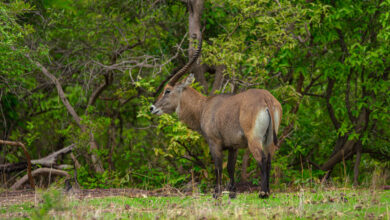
[312, 204]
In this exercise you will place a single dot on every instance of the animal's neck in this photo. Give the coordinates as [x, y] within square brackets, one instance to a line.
[190, 108]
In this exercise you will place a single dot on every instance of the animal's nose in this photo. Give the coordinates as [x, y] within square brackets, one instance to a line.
[151, 108]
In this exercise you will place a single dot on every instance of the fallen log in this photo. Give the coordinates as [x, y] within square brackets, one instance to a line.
[12, 167]
[39, 171]
[29, 175]
[48, 161]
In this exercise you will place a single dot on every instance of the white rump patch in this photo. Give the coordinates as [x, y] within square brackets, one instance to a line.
[261, 125]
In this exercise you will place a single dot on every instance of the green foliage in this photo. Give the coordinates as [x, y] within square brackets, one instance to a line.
[52, 199]
[326, 61]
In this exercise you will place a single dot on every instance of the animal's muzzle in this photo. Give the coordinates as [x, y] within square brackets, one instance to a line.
[155, 110]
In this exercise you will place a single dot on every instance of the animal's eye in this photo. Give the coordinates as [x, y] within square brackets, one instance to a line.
[167, 91]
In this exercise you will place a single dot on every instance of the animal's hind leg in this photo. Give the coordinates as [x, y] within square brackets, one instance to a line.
[265, 167]
[268, 170]
[256, 124]
[264, 162]
[232, 158]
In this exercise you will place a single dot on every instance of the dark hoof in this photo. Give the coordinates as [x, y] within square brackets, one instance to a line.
[232, 195]
[263, 195]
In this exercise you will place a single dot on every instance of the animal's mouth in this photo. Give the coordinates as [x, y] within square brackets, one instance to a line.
[157, 112]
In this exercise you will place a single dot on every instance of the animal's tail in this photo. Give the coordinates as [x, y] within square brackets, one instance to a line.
[271, 133]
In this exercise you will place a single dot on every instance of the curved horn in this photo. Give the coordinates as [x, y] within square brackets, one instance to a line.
[184, 69]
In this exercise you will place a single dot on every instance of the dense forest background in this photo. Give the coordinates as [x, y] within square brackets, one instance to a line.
[84, 72]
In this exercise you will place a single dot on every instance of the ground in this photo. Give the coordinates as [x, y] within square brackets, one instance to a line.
[329, 203]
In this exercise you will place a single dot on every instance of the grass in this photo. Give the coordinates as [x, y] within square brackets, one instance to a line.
[320, 204]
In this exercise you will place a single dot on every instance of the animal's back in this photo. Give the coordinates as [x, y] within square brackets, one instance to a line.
[226, 118]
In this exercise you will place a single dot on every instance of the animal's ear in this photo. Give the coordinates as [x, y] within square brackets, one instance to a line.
[188, 81]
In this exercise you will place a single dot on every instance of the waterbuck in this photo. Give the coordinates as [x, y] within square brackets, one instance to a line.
[227, 122]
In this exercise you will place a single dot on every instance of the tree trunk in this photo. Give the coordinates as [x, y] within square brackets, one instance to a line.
[218, 79]
[245, 164]
[97, 164]
[357, 163]
[195, 9]
[337, 157]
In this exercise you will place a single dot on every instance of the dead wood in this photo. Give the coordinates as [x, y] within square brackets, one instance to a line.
[48, 161]
[12, 167]
[97, 163]
[29, 175]
[75, 161]
[39, 171]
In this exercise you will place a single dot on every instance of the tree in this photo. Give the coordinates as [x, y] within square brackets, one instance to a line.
[92, 69]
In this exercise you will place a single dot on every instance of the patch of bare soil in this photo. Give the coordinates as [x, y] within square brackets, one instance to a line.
[247, 187]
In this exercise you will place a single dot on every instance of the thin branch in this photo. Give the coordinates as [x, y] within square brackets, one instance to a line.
[59, 90]
[328, 94]
[312, 83]
[315, 95]
[29, 175]
[314, 164]
[50, 160]
[99, 90]
[343, 45]
[199, 162]
[347, 100]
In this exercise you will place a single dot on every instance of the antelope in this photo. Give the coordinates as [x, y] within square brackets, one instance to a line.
[227, 122]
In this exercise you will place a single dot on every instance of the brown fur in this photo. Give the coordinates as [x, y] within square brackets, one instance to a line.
[227, 121]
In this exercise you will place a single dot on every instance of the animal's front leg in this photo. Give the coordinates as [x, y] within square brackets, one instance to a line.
[218, 177]
[216, 153]
[232, 158]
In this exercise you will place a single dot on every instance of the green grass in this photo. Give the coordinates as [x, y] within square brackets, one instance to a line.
[322, 204]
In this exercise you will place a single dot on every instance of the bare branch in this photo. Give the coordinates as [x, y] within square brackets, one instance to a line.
[50, 160]
[93, 144]
[196, 158]
[315, 95]
[328, 94]
[29, 175]
[99, 90]
[347, 100]
[75, 161]
[59, 90]
[39, 171]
